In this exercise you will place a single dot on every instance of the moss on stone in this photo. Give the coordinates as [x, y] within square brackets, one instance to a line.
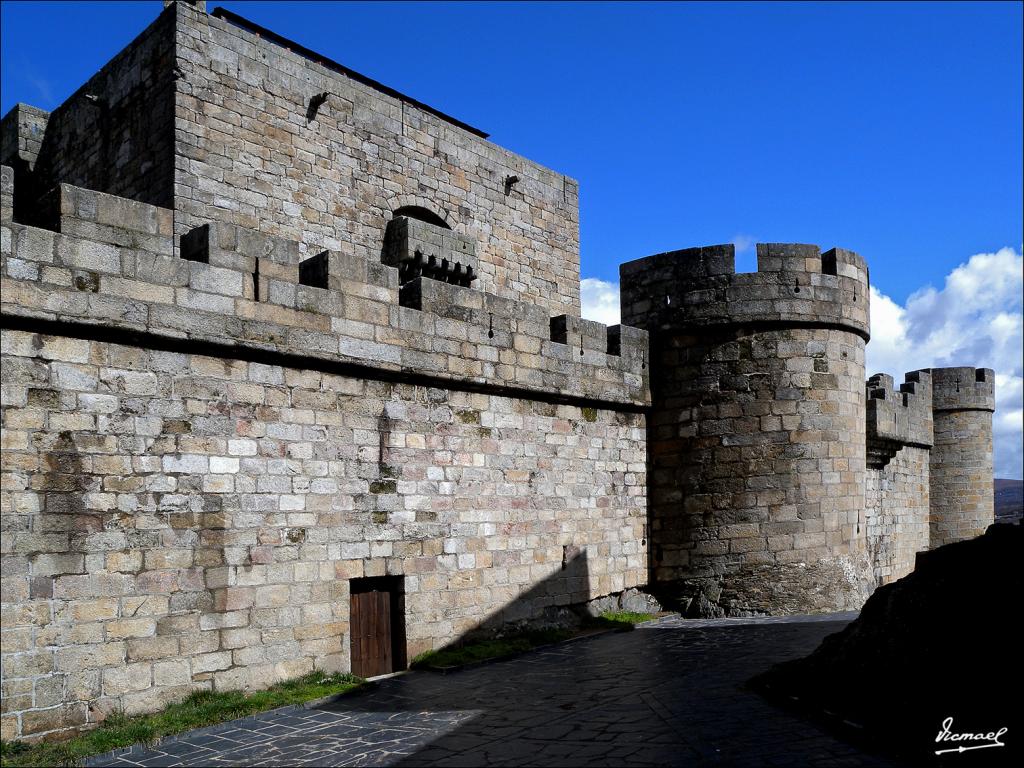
[383, 486]
[469, 417]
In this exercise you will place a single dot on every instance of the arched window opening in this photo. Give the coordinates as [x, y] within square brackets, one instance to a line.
[420, 213]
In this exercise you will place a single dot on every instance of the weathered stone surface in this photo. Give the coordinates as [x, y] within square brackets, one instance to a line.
[474, 498]
[227, 394]
[962, 505]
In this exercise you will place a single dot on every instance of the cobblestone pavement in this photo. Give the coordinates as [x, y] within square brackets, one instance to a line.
[669, 693]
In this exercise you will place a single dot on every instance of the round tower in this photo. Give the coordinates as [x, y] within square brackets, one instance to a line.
[962, 505]
[757, 430]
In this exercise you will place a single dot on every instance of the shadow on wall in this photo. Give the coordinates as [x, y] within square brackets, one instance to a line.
[546, 605]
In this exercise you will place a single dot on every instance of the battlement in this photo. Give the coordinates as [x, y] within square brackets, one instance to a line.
[106, 218]
[963, 389]
[110, 263]
[897, 418]
[795, 284]
[21, 135]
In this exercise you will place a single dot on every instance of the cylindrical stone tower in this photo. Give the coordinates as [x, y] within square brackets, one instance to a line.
[756, 436]
[962, 505]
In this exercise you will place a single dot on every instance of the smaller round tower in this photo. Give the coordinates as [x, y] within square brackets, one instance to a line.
[962, 505]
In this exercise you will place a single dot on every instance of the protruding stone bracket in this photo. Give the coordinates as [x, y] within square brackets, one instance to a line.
[421, 249]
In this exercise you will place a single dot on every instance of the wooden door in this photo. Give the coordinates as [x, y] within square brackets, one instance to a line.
[371, 633]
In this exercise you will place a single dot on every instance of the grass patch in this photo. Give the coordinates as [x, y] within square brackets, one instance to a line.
[201, 708]
[619, 619]
[488, 649]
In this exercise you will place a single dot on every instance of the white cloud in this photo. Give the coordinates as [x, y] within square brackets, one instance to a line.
[743, 242]
[975, 319]
[600, 300]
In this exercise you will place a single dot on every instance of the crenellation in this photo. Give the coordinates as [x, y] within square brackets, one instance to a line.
[699, 287]
[109, 219]
[757, 427]
[21, 135]
[579, 334]
[288, 316]
[789, 257]
[964, 389]
[897, 418]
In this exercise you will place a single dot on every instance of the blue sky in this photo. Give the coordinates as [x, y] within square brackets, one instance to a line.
[891, 129]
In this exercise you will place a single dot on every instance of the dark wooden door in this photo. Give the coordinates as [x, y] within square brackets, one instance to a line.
[371, 633]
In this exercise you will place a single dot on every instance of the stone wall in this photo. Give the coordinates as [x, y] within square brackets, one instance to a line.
[223, 125]
[6, 193]
[962, 505]
[344, 342]
[178, 521]
[757, 431]
[200, 453]
[899, 442]
[21, 137]
[114, 134]
[118, 272]
[251, 152]
[896, 513]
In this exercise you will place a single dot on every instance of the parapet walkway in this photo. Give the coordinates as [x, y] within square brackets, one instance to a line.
[669, 693]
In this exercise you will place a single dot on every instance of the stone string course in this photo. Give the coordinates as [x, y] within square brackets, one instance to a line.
[240, 370]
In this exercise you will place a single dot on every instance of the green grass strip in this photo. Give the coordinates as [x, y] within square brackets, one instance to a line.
[624, 618]
[485, 650]
[201, 708]
[489, 649]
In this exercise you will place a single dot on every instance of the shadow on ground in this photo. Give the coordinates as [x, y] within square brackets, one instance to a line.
[668, 694]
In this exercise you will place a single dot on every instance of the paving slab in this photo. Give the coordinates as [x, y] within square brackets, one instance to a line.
[670, 693]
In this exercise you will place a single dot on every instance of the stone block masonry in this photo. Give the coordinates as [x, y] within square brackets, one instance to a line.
[249, 153]
[115, 134]
[899, 445]
[961, 479]
[275, 336]
[196, 465]
[757, 430]
[204, 116]
[175, 521]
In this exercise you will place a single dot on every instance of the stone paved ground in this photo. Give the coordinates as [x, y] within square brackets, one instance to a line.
[669, 693]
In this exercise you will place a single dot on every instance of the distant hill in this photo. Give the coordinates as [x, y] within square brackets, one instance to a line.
[1009, 498]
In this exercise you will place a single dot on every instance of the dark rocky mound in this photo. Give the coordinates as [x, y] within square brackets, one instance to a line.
[944, 641]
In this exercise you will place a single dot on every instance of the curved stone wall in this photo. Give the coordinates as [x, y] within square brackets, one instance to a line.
[757, 433]
[962, 505]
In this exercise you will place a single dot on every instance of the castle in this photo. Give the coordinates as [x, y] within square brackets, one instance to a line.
[294, 377]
